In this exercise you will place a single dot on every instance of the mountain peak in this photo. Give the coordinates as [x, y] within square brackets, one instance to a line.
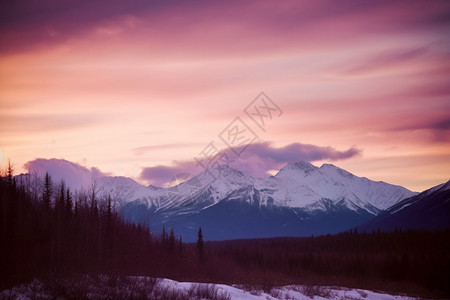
[153, 188]
[440, 187]
[221, 167]
[224, 170]
[333, 168]
[329, 166]
[223, 175]
[446, 186]
[304, 166]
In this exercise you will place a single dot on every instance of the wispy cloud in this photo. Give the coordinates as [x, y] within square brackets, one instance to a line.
[258, 23]
[42, 122]
[386, 60]
[146, 149]
[367, 73]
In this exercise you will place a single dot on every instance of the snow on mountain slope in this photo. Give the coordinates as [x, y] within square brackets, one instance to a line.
[302, 184]
[209, 187]
[222, 180]
[122, 189]
[300, 200]
[297, 185]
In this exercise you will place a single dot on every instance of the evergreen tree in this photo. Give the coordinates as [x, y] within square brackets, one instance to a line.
[171, 241]
[60, 224]
[164, 235]
[61, 199]
[9, 174]
[109, 229]
[93, 199]
[180, 246]
[48, 190]
[68, 204]
[109, 209]
[200, 247]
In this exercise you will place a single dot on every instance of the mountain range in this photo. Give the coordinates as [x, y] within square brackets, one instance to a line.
[300, 200]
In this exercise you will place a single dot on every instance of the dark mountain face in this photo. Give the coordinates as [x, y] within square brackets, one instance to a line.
[428, 210]
[235, 219]
[242, 214]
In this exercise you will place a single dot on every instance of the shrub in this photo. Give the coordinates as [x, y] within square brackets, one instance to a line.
[314, 290]
[208, 291]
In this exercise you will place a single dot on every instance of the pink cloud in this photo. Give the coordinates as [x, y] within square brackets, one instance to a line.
[422, 106]
[45, 122]
[388, 59]
[355, 72]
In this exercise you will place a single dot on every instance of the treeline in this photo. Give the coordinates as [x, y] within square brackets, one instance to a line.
[411, 261]
[48, 231]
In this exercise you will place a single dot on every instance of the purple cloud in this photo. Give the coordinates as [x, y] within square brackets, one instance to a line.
[257, 160]
[24, 24]
[162, 175]
[260, 158]
[298, 152]
[47, 22]
[74, 175]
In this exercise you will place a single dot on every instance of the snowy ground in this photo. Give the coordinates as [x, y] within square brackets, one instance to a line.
[290, 292]
[148, 288]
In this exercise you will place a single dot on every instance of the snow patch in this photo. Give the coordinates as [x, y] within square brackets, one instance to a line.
[166, 288]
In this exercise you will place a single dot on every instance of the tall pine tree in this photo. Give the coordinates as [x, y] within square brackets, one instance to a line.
[200, 246]
[48, 190]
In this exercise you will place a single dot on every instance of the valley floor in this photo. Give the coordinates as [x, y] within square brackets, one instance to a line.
[126, 287]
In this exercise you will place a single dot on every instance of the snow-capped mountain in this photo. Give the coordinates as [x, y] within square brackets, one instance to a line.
[301, 199]
[296, 185]
[302, 184]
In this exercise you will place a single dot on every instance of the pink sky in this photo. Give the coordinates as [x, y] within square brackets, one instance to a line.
[140, 88]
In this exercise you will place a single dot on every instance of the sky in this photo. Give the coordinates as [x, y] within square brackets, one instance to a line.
[150, 89]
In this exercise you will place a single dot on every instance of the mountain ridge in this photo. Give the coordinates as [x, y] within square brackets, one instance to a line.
[301, 199]
[428, 210]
